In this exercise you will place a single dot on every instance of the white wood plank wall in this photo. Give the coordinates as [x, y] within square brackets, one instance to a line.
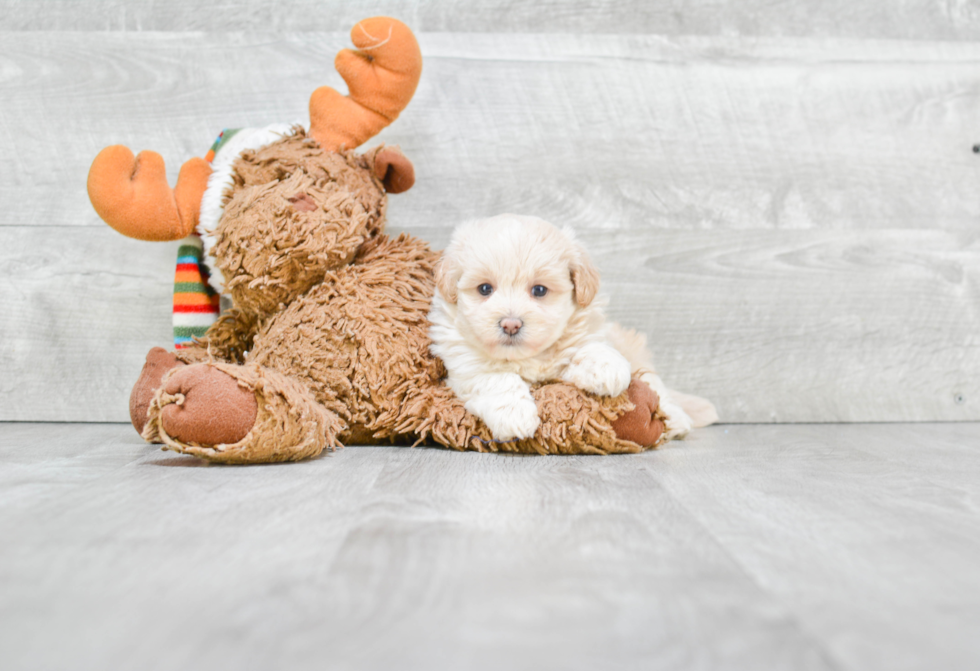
[893, 19]
[783, 195]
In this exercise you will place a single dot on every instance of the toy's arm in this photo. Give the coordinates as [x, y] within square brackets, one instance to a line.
[131, 194]
[381, 77]
[228, 339]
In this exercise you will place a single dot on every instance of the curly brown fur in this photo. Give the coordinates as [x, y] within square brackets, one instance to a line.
[360, 341]
[360, 336]
[312, 212]
[227, 340]
[299, 153]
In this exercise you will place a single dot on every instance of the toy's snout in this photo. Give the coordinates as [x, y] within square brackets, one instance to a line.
[302, 202]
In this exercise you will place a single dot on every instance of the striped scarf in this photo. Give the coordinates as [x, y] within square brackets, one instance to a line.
[196, 304]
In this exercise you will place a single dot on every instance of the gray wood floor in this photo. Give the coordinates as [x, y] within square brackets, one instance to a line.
[747, 547]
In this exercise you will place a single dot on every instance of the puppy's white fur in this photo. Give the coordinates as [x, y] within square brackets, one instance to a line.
[563, 334]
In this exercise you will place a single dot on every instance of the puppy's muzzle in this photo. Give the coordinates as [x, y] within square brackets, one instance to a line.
[511, 325]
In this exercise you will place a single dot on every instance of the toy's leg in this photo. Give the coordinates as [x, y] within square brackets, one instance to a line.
[574, 422]
[239, 414]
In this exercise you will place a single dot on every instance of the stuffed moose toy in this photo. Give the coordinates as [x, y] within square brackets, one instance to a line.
[326, 342]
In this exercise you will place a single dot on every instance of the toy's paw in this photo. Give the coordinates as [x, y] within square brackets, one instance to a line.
[641, 424]
[508, 420]
[158, 363]
[599, 369]
[202, 405]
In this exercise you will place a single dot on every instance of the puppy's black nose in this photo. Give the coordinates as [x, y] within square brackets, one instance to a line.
[511, 325]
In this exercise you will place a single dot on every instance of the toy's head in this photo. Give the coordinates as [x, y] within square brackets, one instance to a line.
[280, 206]
[292, 213]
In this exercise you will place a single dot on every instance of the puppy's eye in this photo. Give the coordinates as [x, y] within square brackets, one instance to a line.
[485, 289]
[538, 290]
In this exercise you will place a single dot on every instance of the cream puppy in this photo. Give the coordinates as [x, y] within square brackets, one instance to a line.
[516, 303]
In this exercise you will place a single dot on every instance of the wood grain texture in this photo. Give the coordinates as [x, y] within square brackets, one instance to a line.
[81, 307]
[599, 131]
[790, 547]
[804, 326]
[773, 326]
[909, 19]
[790, 219]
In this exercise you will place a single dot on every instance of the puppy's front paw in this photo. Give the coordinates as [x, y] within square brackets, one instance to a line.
[677, 423]
[515, 419]
[599, 369]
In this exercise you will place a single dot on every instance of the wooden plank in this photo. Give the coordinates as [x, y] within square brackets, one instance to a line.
[598, 131]
[910, 19]
[849, 524]
[773, 326]
[804, 326]
[800, 209]
[81, 307]
[747, 547]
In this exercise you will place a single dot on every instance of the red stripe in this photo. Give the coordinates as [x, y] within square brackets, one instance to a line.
[196, 308]
[187, 266]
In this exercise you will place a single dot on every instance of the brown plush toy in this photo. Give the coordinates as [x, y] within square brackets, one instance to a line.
[327, 342]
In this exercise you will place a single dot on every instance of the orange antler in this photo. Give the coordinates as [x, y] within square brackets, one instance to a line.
[131, 194]
[381, 78]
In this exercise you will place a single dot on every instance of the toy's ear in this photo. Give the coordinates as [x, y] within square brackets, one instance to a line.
[394, 170]
[585, 278]
[448, 272]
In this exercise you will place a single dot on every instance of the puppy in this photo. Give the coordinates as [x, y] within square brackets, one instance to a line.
[516, 303]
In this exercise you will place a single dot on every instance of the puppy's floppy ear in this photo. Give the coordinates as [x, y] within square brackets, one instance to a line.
[448, 272]
[585, 277]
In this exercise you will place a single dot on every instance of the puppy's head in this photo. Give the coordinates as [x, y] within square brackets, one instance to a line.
[516, 282]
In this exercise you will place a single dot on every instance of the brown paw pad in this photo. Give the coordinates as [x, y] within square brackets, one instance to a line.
[207, 407]
[640, 425]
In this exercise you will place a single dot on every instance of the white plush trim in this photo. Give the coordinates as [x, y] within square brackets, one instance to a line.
[212, 205]
[194, 318]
